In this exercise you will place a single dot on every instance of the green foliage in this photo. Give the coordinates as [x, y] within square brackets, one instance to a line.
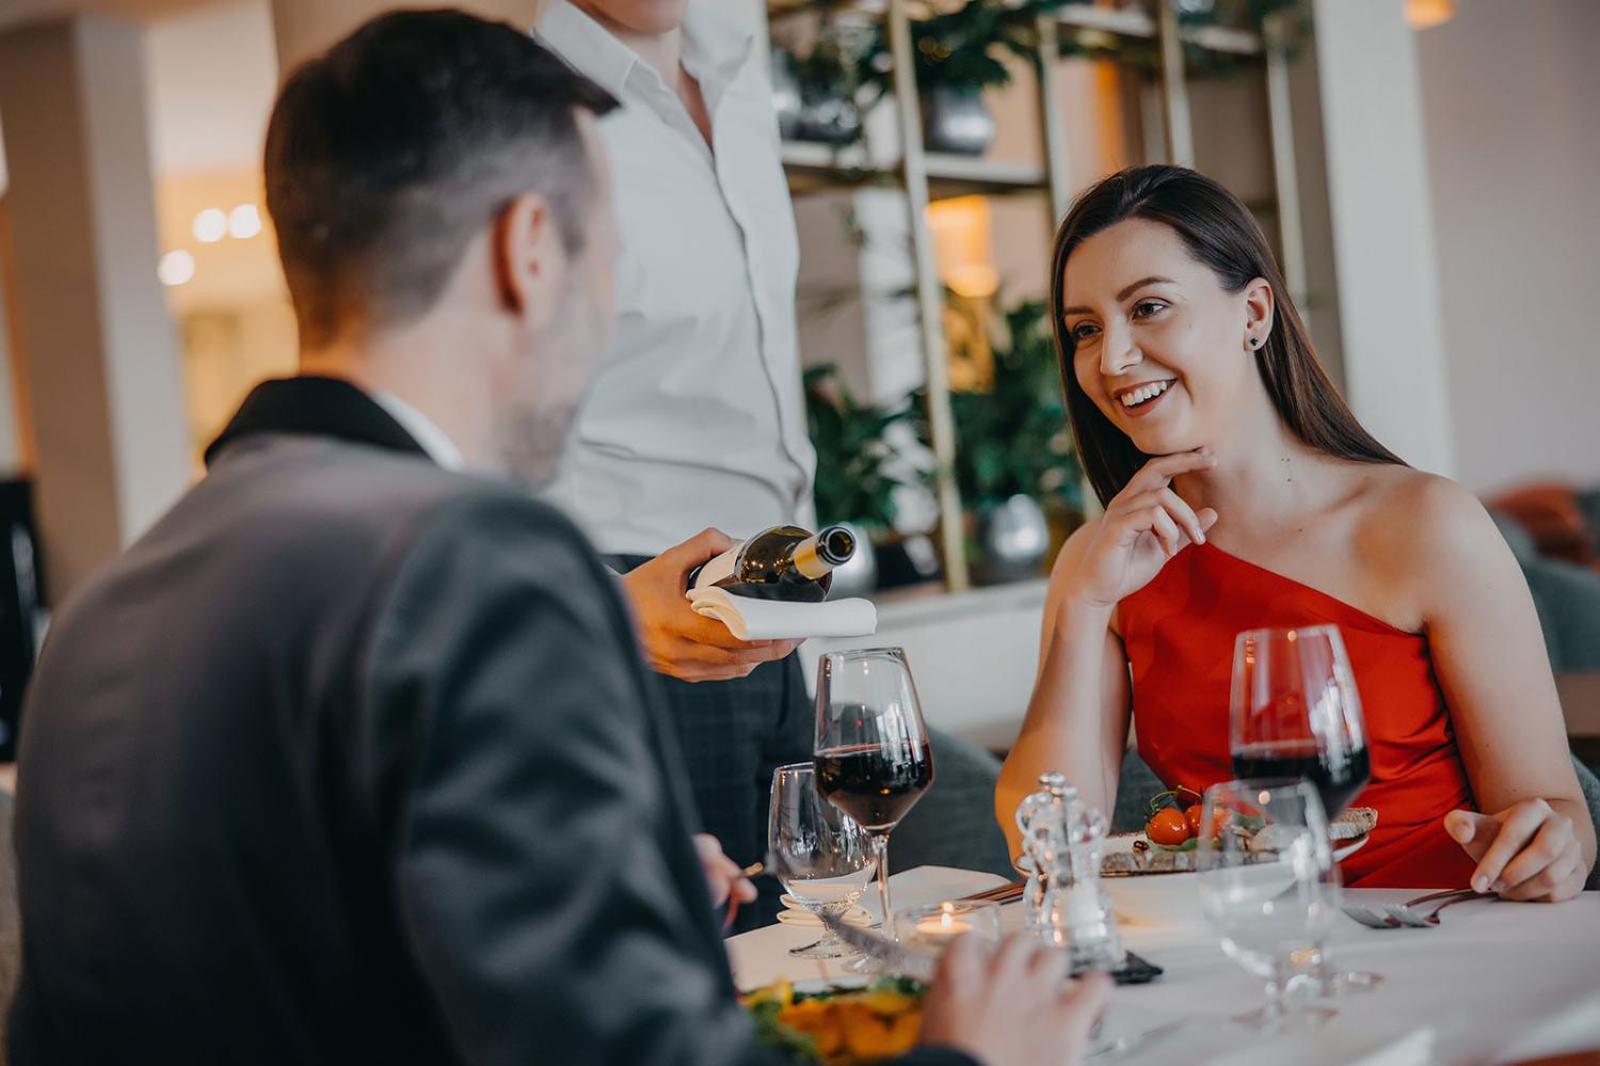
[961, 49]
[853, 483]
[1014, 438]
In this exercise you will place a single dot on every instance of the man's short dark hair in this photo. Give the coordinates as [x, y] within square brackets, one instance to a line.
[389, 153]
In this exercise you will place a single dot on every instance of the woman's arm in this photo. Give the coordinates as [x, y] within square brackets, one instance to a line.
[1535, 839]
[1077, 719]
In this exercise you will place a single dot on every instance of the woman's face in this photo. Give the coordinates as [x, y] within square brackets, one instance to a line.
[1160, 347]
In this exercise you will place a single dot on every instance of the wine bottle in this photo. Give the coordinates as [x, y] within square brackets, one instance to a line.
[781, 563]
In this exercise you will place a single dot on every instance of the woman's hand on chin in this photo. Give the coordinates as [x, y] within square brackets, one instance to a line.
[1144, 526]
[1528, 851]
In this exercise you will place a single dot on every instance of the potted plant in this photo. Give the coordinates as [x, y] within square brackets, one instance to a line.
[855, 481]
[817, 93]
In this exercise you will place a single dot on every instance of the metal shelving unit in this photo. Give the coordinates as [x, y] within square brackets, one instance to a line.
[926, 177]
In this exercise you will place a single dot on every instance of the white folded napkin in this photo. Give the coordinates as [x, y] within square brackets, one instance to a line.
[801, 916]
[752, 619]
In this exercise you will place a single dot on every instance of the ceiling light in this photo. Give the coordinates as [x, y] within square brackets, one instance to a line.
[177, 268]
[244, 222]
[210, 225]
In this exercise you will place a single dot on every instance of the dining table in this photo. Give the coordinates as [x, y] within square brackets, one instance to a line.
[1493, 982]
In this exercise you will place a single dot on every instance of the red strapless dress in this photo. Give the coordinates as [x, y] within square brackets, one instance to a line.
[1179, 633]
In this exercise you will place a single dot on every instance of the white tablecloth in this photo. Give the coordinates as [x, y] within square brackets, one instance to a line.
[1496, 982]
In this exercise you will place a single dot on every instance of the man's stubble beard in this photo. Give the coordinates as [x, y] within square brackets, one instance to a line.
[530, 432]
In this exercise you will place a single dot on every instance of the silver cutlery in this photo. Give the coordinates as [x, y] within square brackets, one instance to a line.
[895, 956]
[1411, 918]
[1403, 915]
[1123, 1045]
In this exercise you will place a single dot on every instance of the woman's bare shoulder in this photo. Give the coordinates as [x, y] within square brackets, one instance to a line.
[1418, 524]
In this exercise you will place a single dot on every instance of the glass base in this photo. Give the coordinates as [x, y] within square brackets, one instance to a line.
[829, 947]
[1348, 983]
[865, 965]
[1297, 1020]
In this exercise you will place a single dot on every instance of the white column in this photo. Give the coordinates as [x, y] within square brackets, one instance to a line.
[1393, 346]
[11, 453]
[98, 348]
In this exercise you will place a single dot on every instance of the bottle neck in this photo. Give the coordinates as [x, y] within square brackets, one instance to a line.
[808, 561]
[817, 555]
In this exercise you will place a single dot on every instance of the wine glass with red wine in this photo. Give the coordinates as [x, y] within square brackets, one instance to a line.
[1295, 714]
[873, 760]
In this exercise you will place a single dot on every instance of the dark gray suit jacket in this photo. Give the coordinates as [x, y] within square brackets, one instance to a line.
[350, 759]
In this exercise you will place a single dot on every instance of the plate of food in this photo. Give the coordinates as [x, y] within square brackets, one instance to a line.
[845, 1022]
[1131, 862]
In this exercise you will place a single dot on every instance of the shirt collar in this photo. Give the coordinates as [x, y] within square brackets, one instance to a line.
[435, 441]
[587, 45]
[711, 45]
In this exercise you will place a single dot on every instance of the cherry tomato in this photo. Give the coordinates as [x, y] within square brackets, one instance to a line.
[1168, 827]
[1191, 818]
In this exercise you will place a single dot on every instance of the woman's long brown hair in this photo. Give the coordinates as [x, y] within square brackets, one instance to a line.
[1219, 231]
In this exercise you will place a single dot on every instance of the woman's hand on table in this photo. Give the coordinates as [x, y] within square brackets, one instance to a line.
[1002, 1005]
[1144, 526]
[1528, 851]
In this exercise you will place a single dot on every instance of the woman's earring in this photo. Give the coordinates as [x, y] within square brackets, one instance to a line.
[1255, 342]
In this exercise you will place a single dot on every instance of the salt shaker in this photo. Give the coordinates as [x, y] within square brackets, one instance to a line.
[1037, 825]
[1073, 914]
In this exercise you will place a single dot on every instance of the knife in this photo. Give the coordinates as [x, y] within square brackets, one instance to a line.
[895, 956]
[1122, 1045]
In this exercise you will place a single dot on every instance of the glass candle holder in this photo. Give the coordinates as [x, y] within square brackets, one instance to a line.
[933, 926]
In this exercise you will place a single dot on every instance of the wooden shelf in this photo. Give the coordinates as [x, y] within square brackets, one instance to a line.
[1121, 22]
[1222, 39]
[812, 167]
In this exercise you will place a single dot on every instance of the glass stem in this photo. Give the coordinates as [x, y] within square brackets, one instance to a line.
[880, 851]
[1321, 972]
[1273, 1012]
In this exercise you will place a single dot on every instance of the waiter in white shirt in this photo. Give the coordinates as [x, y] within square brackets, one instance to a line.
[696, 422]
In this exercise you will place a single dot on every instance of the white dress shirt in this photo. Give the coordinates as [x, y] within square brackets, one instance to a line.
[696, 418]
[424, 430]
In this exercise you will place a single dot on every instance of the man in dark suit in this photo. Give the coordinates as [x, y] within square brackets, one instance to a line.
[352, 758]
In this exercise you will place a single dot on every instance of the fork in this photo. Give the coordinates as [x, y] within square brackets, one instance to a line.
[1409, 917]
[1400, 915]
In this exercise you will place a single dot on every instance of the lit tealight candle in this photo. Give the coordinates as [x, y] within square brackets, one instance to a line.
[936, 925]
[945, 924]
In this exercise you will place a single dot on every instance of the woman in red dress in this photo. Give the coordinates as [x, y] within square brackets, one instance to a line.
[1241, 492]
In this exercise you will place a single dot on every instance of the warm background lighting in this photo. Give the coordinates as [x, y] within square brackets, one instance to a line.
[244, 222]
[176, 268]
[1421, 14]
[210, 225]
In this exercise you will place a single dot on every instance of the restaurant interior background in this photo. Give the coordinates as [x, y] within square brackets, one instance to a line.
[1422, 167]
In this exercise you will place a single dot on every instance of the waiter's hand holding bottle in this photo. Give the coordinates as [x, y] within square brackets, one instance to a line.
[678, 642]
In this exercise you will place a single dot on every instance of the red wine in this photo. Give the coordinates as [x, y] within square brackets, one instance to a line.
[875, 785]
[1338, 776]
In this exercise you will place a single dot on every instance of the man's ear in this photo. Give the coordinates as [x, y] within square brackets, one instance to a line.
[529, 258]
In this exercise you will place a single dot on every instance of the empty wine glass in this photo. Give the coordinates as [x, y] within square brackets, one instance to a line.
[1295, 712]
[1267, 886]
[873, 759]
[824, 859]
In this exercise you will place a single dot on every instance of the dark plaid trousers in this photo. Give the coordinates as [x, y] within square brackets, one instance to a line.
[733, 734]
